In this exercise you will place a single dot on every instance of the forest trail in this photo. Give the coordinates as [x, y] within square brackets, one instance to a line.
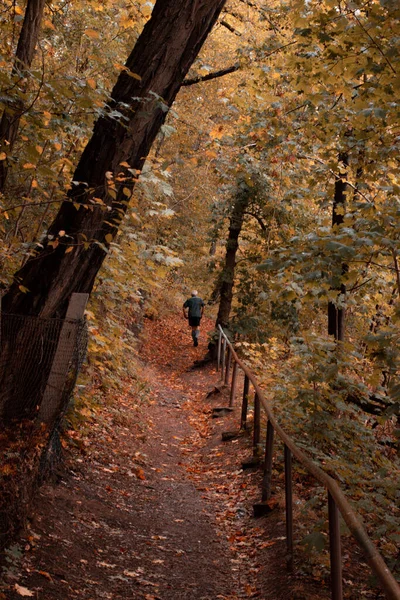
[158, 507]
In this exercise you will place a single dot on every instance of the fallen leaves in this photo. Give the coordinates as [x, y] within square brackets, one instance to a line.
[46, 575]
[137, 576]
[190, 458]
[140, 474]
[23, 591]
[7, 469]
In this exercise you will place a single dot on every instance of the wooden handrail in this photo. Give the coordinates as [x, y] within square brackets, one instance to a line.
[372, 555]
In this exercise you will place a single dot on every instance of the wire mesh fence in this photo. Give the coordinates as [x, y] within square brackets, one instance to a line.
[39, 363]
[40, 359]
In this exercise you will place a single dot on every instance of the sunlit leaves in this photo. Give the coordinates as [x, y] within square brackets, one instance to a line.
[93, 34]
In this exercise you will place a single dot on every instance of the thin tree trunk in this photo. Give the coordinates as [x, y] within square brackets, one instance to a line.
[121, 139]
[336, 316]
[228, 274]
[25, 52]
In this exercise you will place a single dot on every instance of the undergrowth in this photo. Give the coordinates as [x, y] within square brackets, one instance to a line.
[308, 385]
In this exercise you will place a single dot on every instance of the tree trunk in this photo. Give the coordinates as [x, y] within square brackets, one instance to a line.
[336, 316]
[77, 241]
[228, 274]
[23, 59]
[88, 219]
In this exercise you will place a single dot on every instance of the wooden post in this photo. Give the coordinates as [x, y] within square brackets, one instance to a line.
[51, 402]
[233, 388]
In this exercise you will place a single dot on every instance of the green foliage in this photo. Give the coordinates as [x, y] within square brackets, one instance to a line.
[57, 100]
[309, 385]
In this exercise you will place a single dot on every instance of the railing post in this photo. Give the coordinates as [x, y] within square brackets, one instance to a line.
[269, 450]
[228, 365]
[262, 508]
[223, 357]
[289, 508]
[256, 426]
[335, 550]
[219, 350]
[245, 401]
[233, 386]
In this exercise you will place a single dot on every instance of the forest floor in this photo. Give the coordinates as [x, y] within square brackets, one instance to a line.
[152, 504]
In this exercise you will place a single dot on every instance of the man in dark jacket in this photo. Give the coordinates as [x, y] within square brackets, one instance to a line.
[193, 310]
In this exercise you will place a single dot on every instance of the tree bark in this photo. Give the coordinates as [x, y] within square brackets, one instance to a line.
[24, 54]
[228, 274]
[144, 91]
[336, 316]
[77, 241]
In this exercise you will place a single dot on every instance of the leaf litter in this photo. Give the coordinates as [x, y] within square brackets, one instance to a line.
[169, 509]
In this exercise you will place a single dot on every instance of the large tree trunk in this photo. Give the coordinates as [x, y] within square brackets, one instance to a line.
[336, 316]
[23, 59]
[155, 70]
[77, 240]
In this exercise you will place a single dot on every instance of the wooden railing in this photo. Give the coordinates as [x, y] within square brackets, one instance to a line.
[337, 502]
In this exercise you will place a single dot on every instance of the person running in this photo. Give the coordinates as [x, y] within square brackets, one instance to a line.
[193, 310]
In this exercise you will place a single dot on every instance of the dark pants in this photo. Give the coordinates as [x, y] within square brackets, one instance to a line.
[194, 321]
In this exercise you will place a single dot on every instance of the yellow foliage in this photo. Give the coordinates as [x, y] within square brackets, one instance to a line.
[92, 33]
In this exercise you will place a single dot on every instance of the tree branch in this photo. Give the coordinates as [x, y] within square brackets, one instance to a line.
[359, 285]
[294, 109]
[373, 405]
[336, 175]
[377, 46]
[230, 28]
[213, 75]
[264, 12]
[258, 218]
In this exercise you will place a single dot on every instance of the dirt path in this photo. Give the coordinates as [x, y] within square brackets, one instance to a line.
[158, 509]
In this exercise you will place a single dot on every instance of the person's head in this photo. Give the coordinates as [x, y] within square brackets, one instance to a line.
[194, 293]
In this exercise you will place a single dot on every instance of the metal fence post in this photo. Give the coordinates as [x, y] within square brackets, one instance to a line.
[228, 365]
[223, 357]
[269, 450]
[245, 401]
[219, 350]
[233, 387]
[335, 550]
[289, 508]
[256, 426]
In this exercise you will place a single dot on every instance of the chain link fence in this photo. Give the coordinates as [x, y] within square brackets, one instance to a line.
[39, 363]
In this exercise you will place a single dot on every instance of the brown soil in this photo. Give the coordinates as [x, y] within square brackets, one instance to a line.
[157, 506]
